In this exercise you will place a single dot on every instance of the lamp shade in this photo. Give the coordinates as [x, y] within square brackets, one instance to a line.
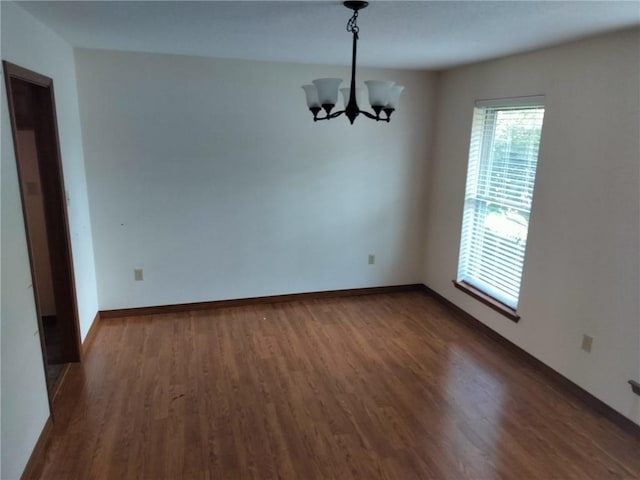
[394, 96]
[378, 92]
[359, 95]
[312, 95]
[327, 90]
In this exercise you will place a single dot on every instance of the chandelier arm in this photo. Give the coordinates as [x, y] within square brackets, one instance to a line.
[370, 115]
[375, 117]
[329, 117]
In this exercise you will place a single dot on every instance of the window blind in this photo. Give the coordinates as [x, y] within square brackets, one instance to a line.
[503, 156]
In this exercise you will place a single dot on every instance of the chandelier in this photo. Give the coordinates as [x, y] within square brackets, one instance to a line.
[323, 93]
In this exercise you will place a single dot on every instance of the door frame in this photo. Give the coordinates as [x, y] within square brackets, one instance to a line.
[55, 210]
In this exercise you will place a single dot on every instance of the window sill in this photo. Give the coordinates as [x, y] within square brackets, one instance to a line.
[489, 301]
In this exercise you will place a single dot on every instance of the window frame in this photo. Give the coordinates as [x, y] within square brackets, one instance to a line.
[524, 102]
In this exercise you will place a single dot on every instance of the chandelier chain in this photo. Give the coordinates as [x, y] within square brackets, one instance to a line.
[352, 24]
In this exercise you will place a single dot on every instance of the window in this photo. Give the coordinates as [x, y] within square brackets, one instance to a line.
[503, 155]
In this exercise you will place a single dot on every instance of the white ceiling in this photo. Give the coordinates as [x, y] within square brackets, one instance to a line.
[418, 34]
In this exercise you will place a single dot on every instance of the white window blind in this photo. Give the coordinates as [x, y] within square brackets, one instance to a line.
[503, 155]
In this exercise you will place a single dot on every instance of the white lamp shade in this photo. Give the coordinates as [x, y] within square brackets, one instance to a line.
[378, 92]
[327, 90]
[359, 95]
[312, 95]
[394, 96]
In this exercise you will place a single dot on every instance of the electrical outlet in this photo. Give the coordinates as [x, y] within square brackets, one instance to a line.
[587, 343]
[138, 275]
[372, 259]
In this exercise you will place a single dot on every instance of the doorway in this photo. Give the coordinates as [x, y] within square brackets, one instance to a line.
[35, 136]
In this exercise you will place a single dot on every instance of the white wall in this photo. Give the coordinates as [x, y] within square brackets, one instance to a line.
[582, 262]
[212, 177]
[28, 43]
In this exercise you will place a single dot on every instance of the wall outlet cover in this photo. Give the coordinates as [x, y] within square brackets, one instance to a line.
[138, 275]
[587, 343]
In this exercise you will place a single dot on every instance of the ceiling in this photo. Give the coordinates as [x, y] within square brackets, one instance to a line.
[415, 35]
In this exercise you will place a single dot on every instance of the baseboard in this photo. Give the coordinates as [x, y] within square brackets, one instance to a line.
[35, 465]
[557, 378]
[91, 335]
[59, 382]
[183, 307]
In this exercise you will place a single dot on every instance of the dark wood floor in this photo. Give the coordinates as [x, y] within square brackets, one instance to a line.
[371, 387]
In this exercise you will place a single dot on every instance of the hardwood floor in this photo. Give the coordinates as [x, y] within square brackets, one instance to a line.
[371, 387]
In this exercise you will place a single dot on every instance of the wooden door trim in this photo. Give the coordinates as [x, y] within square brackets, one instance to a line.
[12, 72]
[8, 74]
[21, 73]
